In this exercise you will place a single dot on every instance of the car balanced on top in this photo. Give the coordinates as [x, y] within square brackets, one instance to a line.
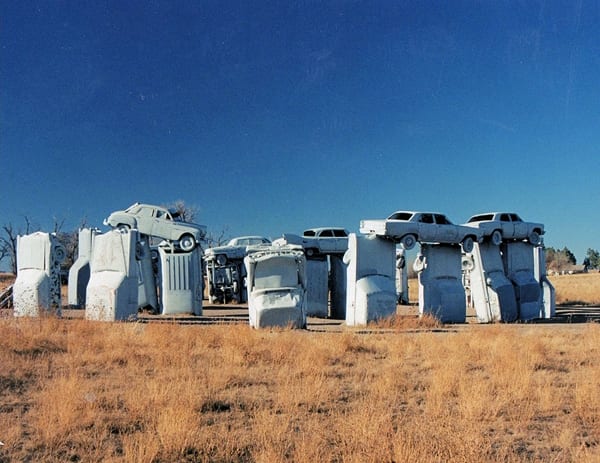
[159, 222]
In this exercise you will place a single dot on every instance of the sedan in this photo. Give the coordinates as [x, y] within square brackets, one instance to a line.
[158, 221]
[407, 227]
[499, 226]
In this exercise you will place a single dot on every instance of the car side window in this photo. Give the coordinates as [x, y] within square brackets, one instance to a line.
[340, 233]
[326, 233]
[145, 212]
[426, 218]
[504, 217]
[442, 220]
[515, 218]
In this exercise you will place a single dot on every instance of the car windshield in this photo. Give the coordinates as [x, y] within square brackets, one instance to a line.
[176, 215]
[400, 216]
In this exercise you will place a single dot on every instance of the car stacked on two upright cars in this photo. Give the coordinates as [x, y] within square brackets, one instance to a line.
[408, 227]
[503, 226]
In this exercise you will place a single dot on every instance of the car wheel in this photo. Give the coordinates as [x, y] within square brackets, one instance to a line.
[60, 253]
[496, 238]
[139, 251]
[534, 238]
[467, 263]
[310, 252]
[123, 227]
[221, 259]
[408, 242]
[467, 244]
[187, 243]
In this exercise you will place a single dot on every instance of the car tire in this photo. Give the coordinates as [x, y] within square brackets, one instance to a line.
[221, 259]
[60, 254]
[534, 238]
[467, 264]
[123, 227]
[310, 252]
[187, 242]
[139, 251]
[408, 242]
[467, 244]
[496, 238]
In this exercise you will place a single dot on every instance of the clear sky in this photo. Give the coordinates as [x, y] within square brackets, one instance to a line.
[273, 117]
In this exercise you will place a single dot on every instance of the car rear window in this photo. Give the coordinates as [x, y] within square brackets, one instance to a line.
[400, 216]
[481, 218]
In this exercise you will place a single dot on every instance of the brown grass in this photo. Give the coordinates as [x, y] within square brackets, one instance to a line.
[583, 288]
[74, 390]
[6, 279]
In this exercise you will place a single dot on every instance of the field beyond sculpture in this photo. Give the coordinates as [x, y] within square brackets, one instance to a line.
[85, 391]
[400, 390]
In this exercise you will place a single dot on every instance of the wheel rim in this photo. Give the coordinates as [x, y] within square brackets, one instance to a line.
[496, 238]
[408, 242]
[534, 237]
[186, 243]
[467, 244]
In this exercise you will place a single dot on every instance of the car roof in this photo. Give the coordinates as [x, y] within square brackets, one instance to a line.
[318, 229]
[249, 237]
[419, 212]
[493, 213]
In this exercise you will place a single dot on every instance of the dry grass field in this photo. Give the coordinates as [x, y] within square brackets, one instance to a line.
[83, 391]
[583, 288]
[405, 390]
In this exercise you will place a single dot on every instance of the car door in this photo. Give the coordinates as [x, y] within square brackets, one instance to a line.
[427, 228]
[163, 224]
[446, 231]
[508, 229]
[145, 220]
[520, 227]
[326, 241]
[341, 240]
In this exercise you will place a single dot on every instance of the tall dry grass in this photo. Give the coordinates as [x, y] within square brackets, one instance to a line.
[74, 390]
[582, 288]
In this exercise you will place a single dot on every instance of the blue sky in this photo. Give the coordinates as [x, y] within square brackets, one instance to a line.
[273, 117]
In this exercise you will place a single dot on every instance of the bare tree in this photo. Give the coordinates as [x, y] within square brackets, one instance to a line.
[186, 212]
[8, 241]
[213, 239]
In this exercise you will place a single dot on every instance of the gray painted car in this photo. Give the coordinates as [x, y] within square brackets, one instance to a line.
[499, 226]
[408, 227]
[160, 222]
[319, 241]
